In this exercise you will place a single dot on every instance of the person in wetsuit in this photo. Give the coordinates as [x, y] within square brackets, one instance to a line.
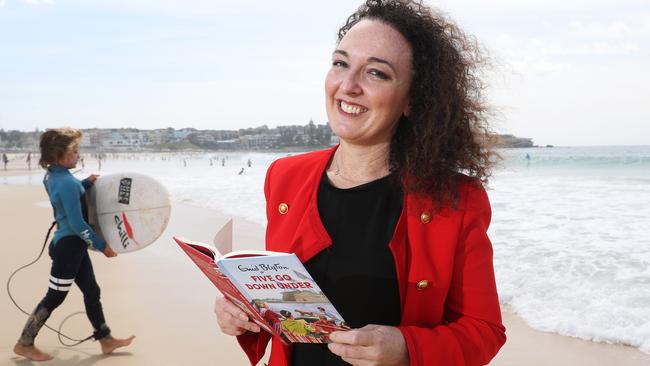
[69, 246]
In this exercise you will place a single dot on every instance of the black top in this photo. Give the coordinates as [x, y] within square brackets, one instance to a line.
[357, 272]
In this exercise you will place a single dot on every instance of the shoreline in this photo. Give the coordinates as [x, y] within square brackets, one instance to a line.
[528, 346]
[158, 294]
[288, 149]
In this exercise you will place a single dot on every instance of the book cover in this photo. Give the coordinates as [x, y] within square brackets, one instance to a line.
[274, 289]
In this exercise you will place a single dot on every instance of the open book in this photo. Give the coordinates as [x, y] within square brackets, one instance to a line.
[274, 289]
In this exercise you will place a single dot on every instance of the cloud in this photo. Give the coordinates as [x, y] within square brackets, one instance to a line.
[605, 48]
[559, 45]
[38, 2]
[555, 48]
[498, 6]
[618, 29]
[634, 28]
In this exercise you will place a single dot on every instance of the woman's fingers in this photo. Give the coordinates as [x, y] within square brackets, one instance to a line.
[371, 353]
[231, 319]
[223, 305]
[365, 336]
[370, 345]
[227, 312]
[358, 344]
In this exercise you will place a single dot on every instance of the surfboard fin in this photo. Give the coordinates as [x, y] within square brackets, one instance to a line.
[223, 240]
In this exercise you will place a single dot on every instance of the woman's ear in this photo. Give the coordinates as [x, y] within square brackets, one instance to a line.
[407, 110]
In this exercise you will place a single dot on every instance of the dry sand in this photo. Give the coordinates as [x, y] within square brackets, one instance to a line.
[158, 295]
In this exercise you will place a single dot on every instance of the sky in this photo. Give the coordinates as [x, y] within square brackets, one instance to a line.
[565, 72]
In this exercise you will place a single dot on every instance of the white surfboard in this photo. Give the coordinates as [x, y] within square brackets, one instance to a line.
[128, 210]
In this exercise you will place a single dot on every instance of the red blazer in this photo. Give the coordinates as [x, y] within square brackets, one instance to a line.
[450, 308]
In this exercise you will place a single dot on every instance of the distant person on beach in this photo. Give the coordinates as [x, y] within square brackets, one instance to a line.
[5, 160]
[392, 222]
[28, 160]
[249, 163]
[69, 246]
[223, 162]
[241, 171]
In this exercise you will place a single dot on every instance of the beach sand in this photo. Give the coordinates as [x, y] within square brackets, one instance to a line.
[158, 295]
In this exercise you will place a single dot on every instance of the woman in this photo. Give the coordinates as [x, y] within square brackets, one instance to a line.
[69, 246]
[385, 222]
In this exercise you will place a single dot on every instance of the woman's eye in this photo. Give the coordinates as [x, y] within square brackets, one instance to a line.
[339, 63]
[377, 73]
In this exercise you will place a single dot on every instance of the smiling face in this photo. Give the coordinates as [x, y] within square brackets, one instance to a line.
[368, 84]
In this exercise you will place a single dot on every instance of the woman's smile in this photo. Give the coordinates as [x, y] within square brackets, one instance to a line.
[351, 109]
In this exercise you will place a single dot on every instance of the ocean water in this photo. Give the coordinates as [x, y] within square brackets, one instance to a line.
[570, 228]
[571, 236]
[195, 178]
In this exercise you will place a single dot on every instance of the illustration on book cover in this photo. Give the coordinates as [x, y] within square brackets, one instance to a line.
[288, 299]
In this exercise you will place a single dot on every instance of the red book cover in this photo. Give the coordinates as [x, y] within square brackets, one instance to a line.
[274, 289]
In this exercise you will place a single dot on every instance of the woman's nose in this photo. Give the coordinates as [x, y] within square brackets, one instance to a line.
[350, 84]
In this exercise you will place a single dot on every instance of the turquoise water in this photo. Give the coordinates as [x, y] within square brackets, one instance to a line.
[606, 160]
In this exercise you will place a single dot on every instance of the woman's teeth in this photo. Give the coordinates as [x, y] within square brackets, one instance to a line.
[352, 109]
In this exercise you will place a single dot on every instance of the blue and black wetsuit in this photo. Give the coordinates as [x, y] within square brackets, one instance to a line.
[69, 253]
[67, 196]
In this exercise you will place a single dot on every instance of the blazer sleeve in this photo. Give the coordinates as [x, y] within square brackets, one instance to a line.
[254, 344]
[473, 332]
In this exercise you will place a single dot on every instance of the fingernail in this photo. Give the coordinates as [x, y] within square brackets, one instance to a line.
[332, 336]
[243, 317]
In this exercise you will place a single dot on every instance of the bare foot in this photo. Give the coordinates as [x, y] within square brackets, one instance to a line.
[111, 344]
[31, 352]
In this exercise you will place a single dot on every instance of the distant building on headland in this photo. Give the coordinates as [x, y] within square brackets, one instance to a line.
[511, 141]
[310, 136]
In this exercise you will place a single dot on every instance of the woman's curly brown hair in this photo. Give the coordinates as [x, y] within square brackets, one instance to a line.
[446, 132]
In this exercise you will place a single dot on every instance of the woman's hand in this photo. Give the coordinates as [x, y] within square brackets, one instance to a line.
[231, 319]
[92, 178]
[371, 345]
[108, 252]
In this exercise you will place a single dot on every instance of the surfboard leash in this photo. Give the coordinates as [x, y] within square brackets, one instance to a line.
[58, 332]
